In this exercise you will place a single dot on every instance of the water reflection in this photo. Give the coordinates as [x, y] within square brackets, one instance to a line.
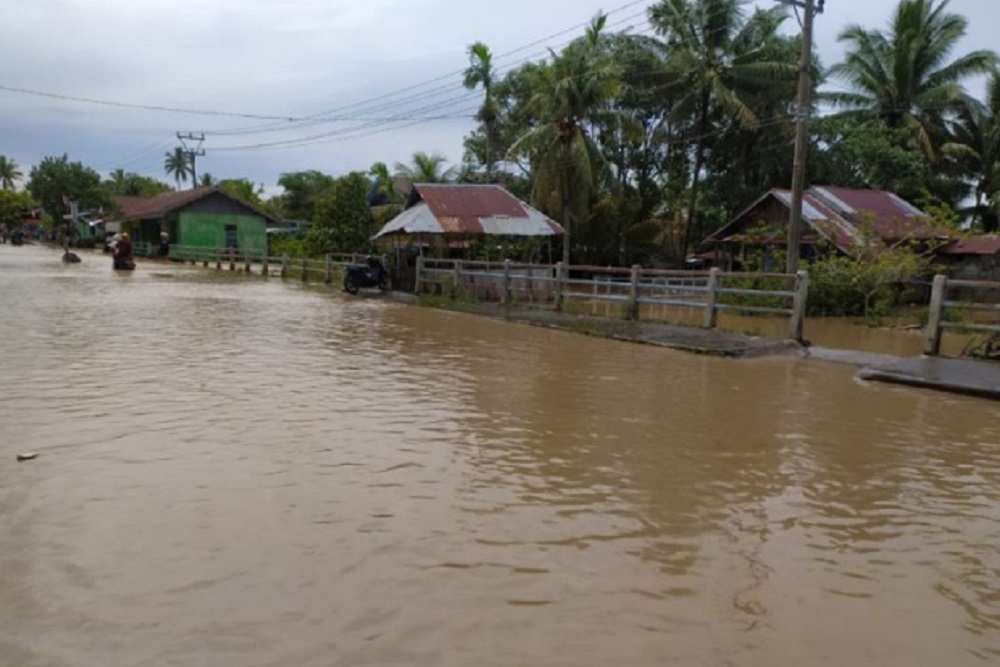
[239, 471]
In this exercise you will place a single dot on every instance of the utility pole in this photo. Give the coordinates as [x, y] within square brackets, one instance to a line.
[193, 152]
[811, 7]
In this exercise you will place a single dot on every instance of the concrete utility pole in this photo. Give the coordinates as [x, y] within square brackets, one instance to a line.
[811, 7]
[192, 153]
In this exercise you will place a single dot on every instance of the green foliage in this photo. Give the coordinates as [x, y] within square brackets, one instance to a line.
[278, 245]
[56, 177]
[242, 188]
[343, 221]
[384, 214]
[864, 286]
[427, 168]
[178, 164]
[302, 191]
[131, 184]
[10, 173]
[14, 205]
[904, 77]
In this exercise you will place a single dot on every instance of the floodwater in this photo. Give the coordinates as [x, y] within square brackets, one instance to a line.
[239, 471]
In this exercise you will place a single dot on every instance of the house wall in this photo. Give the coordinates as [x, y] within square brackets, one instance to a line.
[208, 230]
[972, 267]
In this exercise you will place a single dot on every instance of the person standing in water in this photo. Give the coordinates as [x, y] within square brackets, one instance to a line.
[123, 254]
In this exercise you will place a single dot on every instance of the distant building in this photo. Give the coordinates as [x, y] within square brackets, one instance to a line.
[841, 219]
[973, 258]
[203, 217]
[462, 212]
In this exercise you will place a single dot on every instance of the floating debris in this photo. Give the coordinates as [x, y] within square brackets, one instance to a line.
[27, 456]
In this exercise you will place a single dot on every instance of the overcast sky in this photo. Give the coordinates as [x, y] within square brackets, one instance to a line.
[294, 58]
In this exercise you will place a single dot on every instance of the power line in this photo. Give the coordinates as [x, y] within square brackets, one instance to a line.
[144, 107]
[324, 116]
[402, 117]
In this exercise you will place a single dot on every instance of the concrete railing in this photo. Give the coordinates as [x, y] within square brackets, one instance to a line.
[711, 292]
[246, 260]
[941, 305]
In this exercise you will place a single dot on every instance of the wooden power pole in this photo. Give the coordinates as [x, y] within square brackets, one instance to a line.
[811, 8]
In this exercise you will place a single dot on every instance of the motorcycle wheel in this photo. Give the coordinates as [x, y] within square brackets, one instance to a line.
[350, 286]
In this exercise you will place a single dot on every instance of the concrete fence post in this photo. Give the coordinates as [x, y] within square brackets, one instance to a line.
[264, 270]
[246, 261]
[560, 278]
[418, 278]
[456, 277]
[284, 265]
[218, 259]
[305, 269]
[328, 270]
[232, 259]
[632, 312]
[798, 322]
[711, 297]
[932, 336]
[506, 281]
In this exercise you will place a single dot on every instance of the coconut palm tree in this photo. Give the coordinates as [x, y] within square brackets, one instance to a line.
[975, 149]
[384, 182]
[571, 92]
[904, 77]
[10, 174]
[427, 168]
[481, 73]
[207, 180]
[178, 165]
[719, 59]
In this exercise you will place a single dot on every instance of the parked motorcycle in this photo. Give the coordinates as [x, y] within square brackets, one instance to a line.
[370, 274]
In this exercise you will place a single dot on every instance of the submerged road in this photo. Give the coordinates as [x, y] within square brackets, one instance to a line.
[235, 471]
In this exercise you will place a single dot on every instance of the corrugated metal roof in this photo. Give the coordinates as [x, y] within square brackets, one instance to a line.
[987, 244]
[469, 209]
[141, 208]
[840, 214]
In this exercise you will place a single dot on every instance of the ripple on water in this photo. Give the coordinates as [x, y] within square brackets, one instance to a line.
[251, 472]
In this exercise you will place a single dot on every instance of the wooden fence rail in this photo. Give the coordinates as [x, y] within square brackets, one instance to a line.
[712, 291]
[246, 260]
[937, 319]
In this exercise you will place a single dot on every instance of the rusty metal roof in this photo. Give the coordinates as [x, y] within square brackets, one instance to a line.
[841, 214]
[469, 209]
[986, 244]
[142, 208]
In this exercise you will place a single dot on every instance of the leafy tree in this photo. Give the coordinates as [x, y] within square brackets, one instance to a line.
[56, 178]
[242, 188]
[482, 73]
[343, 220]
[427, 168]
[569, 95]
[719, 60]
[384, 184]
[178, 165]
[904, 77]
[10, 174]
[207, 180]
[131, 184]
[975, 149]
[13, 206]
[302, 191]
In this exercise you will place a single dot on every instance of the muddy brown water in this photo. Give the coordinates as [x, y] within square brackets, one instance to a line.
[244, 472]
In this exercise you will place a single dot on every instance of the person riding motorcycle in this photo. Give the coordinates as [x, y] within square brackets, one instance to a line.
[123, 254]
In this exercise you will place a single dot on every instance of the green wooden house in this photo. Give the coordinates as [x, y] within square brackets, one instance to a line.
[202, 217]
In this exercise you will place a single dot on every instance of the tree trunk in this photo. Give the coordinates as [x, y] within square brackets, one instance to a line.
[566, 196]
[699, 160]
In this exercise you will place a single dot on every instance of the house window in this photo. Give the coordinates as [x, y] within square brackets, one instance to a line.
[230, 236]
